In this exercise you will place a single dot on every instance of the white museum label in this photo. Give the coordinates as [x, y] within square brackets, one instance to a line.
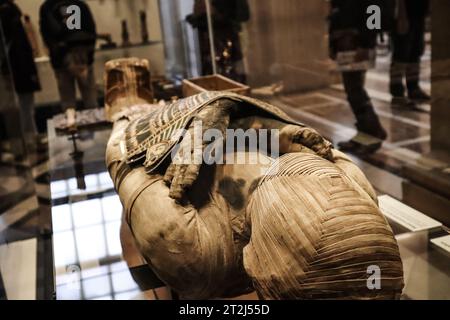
[406, 216]
[442, 242]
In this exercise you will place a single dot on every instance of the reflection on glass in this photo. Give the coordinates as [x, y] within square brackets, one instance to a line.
[87, 245]
[122, 281]
[59, 188]
[64, 249]
[94, 183]
[104, 298]
[94, 272]
[131, 295]
[62, 220]
[104, 180]
[87, 213]
[91, 245]
[96, 287]
[112, 240]
[112, 208]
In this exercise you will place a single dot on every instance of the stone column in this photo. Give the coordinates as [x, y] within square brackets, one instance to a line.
[427, 184]
[440, 77]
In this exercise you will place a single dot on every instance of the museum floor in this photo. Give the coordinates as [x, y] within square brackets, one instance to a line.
[25, 201]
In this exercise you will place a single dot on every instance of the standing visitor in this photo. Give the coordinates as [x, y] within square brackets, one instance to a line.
[349, 34]
[22, 65]
[71, 51]
[408, 46]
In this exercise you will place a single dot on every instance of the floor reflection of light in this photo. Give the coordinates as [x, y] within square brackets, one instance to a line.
[64, 249]
[131, 295]
[87, 230]
[104, 179]
[112, 208]
[94, 272]
[58, 188]
[91, 243]
[119, 266]
[108, 297]
[96, 287]
[69, 187]
[122, 281]
[87, 213]
[62, 220]
[107, 282]
[87, 238]
[112, 239]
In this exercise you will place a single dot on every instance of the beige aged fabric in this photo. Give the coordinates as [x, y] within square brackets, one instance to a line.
[309, 231]
[316, 232]
[296, 227]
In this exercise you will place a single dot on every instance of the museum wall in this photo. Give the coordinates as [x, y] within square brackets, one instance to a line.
[440, 112]
[286, 41]
[108, 15]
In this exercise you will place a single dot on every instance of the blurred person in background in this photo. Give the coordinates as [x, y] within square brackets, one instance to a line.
[352, 42]
[227, 18]
[408, 46]
[32, 36]
[71, 51]
[22, 65]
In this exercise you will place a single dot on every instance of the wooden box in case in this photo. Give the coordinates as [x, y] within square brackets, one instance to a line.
[215, 82]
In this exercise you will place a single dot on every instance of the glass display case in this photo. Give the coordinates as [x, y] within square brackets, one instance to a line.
[276, 51]
[93, 258]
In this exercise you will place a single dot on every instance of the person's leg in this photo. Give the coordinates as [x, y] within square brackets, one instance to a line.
[412, 76]
[399, 44]
[88, 88]
[205, 50]
[366, 119]
[413, 67]
[66, 88]
[26, 102]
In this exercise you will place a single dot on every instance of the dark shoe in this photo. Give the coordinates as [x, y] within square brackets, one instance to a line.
[361, 144]
[396, 88]
[348, 146]
[372, 128]
[378, 132]
[418, 95]
[403, 103]
[360, 149]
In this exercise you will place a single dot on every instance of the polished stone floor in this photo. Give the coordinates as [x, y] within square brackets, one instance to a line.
[39, 200]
